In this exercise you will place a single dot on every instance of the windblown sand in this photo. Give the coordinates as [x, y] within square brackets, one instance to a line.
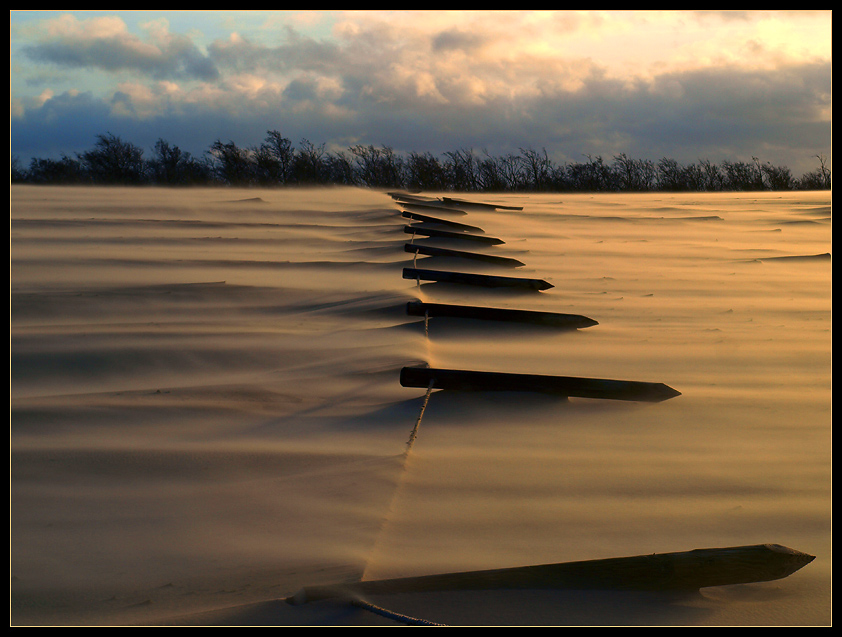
[206, 413]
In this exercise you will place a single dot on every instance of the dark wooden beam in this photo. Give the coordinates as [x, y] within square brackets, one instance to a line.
[433, 251]
[681, 571]
[448, 201]
[569, 386]
[426, 206]
[446, 234]
[477, 204]
[566, 321]
[484, 280]
[445, 222]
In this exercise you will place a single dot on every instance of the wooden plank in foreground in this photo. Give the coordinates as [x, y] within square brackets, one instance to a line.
[446, 234]
[461, 254]
[468, 380]
[444, 222]
[566, 321]
[484, 280]
[682, 571]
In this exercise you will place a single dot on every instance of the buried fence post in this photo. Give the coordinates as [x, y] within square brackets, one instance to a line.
[484, 280]
[432, 251]
[447, 234]
[569, 386]
[566, 321]
[682, 571]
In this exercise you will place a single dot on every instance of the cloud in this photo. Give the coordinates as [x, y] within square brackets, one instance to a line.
[572, 82]
[297, 53]
[457, 38]
[105, 43]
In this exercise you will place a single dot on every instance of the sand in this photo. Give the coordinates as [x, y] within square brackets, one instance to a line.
[206, 415]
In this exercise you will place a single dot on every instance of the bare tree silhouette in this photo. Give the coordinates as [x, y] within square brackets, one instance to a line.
[275, 162]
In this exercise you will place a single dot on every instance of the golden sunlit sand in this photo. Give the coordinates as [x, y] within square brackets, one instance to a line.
[207, 414]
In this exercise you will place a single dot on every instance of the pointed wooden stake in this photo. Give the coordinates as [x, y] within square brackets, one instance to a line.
[570, 386]
[566, 321]
[477, 204]
[684, 571]
[446, 234]
[447, 201]
[475, 256]
[484, 280]
[425, 206]
[444, 222]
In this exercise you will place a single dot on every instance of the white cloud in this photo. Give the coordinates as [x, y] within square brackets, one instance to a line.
[574, 82]
[105, 43]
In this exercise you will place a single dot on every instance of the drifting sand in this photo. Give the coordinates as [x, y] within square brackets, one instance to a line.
[206, 414]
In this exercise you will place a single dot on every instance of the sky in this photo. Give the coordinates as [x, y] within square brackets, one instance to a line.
[685, 85]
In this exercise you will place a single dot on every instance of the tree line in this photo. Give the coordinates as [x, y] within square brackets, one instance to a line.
[276, 162]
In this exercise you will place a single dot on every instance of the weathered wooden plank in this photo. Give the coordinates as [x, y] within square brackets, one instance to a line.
[411, 197]
[437, 206]
[449, 201]
[680, 571]
[824, 256]
[433, 251]
[478, 204]
[446, 234]
[444, 222]
[484, 280]
[566, 321]
[570, 386]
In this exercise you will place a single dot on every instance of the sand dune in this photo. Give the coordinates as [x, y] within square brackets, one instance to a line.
[206, 414]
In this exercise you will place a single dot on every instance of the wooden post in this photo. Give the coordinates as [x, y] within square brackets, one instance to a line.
[405, 196]
[451, 201]
[461, 254]
[445, 222]
[566, 321]
[683, 571]
[570, 386]
[485, 280]
[478, 204]
[446, 234]
[424, 206]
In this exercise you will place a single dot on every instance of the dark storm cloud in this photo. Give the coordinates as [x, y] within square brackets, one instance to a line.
[66, 123]
[456, 39]
[296, 52]
[716, 115]
[169, 56]
[435, 91]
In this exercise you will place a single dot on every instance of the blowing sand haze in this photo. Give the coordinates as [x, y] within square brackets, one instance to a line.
[207, 414]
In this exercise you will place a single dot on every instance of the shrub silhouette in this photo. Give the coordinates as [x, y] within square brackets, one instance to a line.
[276, 162]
